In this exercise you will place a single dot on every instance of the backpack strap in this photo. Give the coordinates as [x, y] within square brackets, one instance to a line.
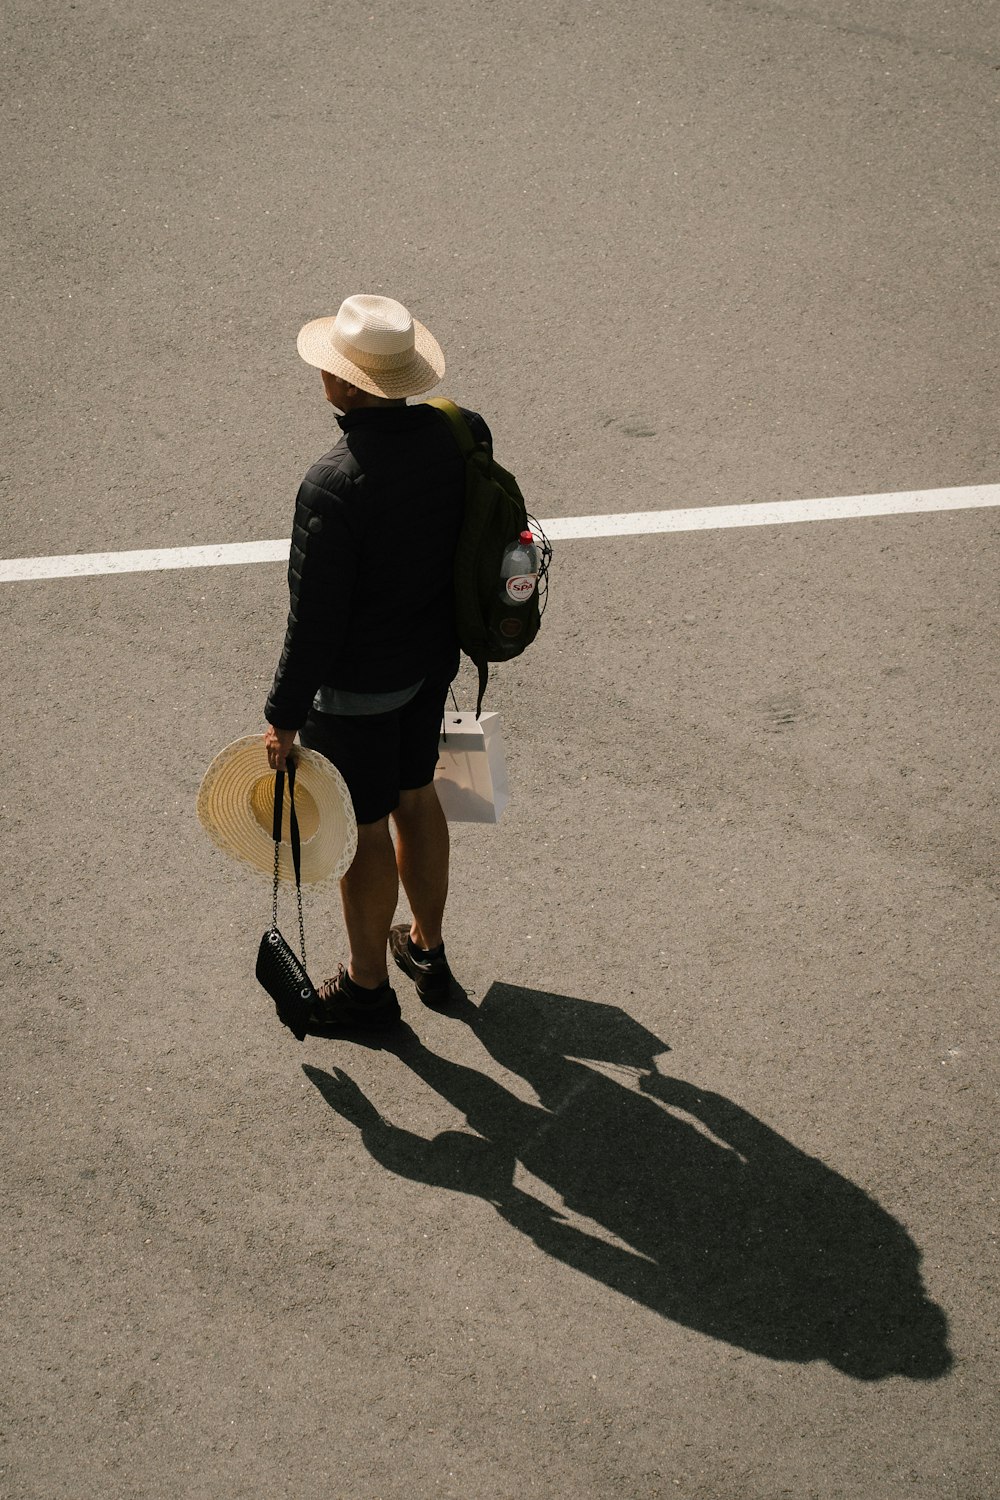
[456, 422]
[467, 446]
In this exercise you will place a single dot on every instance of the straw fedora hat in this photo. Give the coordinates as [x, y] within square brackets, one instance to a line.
[375, 344]
[236, 809]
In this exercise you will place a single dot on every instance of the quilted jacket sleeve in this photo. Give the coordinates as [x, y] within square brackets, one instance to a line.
[322, 570]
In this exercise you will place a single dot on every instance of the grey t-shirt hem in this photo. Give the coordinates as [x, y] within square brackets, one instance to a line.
[330, 700]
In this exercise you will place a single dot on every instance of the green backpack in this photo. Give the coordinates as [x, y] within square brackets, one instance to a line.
[493, 625]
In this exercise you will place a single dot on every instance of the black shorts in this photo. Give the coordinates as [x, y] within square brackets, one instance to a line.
[381, 755]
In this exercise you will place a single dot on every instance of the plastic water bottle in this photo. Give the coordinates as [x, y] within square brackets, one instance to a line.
[519, 570]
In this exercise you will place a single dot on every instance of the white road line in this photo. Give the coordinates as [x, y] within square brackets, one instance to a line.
[150, 560]
[563, 529]
[778, 513]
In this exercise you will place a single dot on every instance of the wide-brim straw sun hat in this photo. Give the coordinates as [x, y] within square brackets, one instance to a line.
[375, 344]
[236, 809]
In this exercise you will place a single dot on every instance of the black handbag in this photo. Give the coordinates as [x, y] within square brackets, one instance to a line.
[278, 969]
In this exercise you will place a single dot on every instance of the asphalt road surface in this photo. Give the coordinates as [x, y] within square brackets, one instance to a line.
[696, 1195]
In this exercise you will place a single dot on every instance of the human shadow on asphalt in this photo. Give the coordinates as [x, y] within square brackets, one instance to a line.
[722, 1225]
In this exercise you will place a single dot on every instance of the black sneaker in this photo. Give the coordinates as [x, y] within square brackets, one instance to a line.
[432, 976]
[341, 1003]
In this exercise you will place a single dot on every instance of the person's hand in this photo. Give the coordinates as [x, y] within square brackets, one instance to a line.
[277, 743]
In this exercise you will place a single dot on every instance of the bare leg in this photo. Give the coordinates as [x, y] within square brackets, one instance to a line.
[369, 892]
[422, 848]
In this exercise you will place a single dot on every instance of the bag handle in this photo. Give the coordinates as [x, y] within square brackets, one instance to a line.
[444, 717]
[279, 799]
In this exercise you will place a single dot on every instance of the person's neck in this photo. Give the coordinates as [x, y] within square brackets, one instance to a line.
[363, 399]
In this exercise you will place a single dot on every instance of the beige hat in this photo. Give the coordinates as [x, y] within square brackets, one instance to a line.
[236, 809]
[375, 344]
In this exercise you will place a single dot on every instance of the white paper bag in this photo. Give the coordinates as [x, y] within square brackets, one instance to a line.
[471, 777]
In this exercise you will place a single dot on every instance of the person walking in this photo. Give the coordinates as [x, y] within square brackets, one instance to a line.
[371, 647]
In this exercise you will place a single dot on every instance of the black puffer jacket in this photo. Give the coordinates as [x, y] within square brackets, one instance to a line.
[370, 570]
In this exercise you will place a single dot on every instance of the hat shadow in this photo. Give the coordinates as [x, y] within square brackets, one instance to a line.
[713, 1219]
